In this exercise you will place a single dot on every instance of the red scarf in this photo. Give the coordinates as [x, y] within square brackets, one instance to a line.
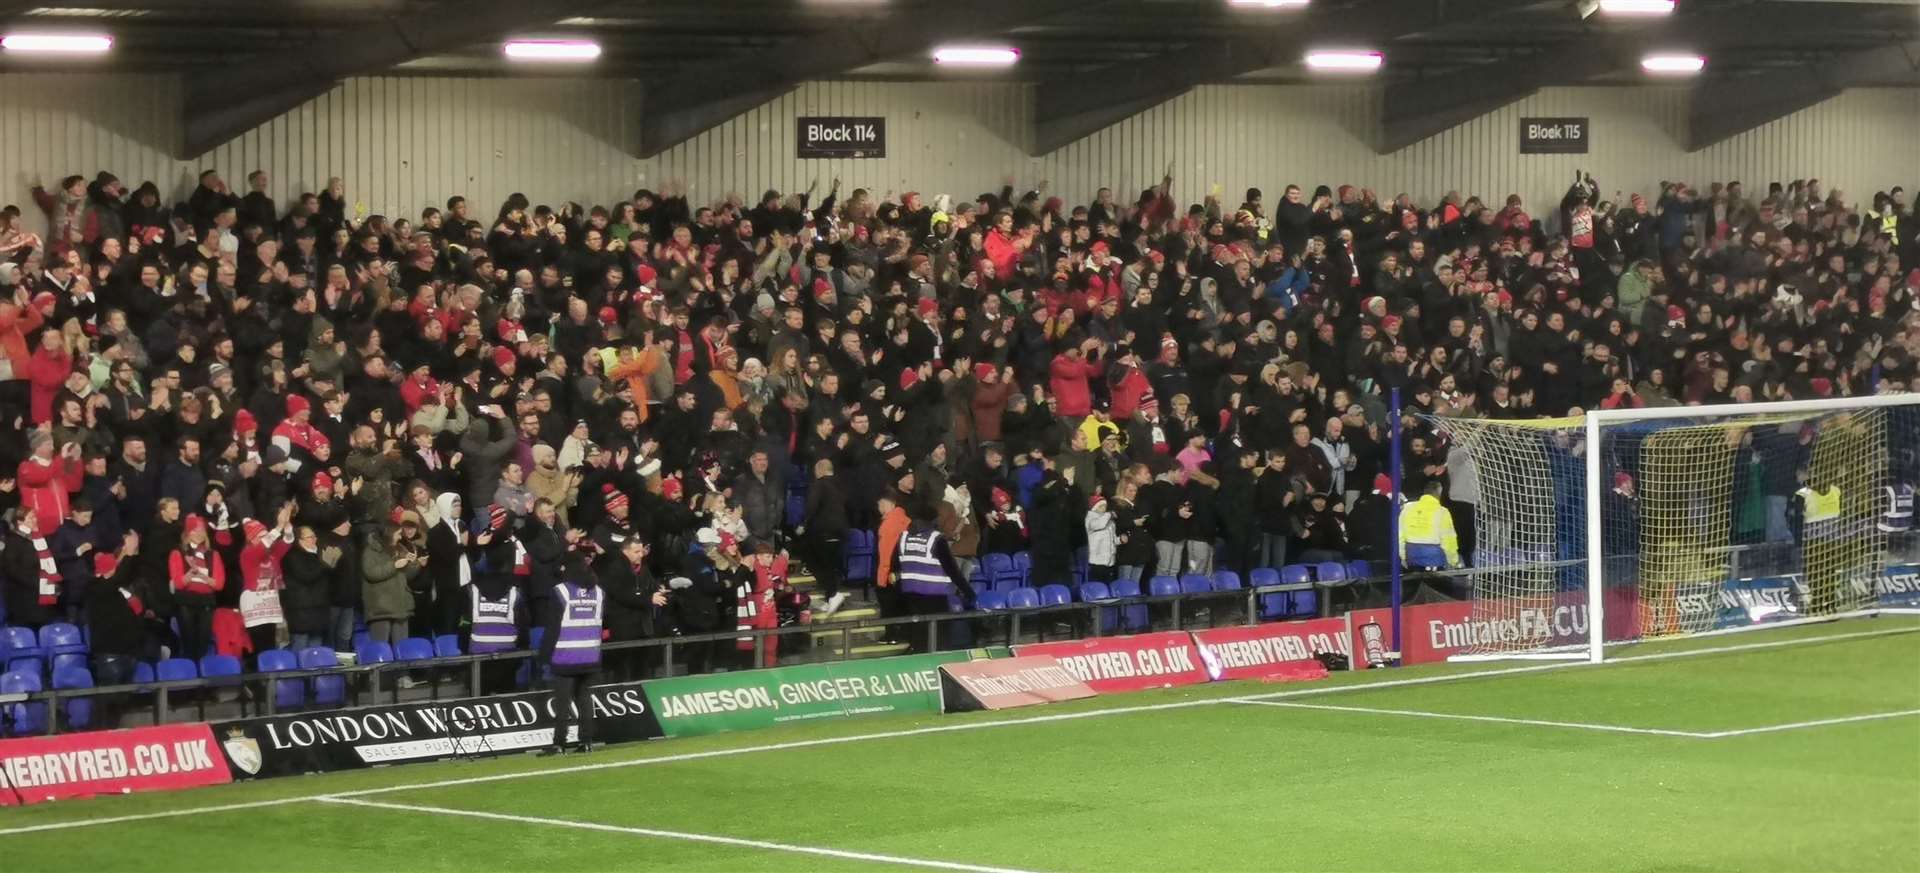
[49, 575]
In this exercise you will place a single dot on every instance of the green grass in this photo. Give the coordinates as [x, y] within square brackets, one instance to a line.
[1200, 785]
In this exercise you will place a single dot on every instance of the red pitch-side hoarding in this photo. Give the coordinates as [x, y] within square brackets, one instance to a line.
[1435, 631]
[1135, 663]
[1266, 651]
[163, 758]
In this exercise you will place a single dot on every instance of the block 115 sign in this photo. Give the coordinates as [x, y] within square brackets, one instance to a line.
[842, 137]
[1554, 136]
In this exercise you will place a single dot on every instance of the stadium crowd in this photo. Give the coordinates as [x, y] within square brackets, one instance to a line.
[225, 419]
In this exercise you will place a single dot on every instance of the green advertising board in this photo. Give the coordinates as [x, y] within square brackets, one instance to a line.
[690, 706]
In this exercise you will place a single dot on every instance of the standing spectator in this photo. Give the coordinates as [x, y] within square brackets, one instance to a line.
[1102, 543]
[822, 531]
[46, 482]
[262, 578]
[571, 651]
[196, 575]
[388, 564]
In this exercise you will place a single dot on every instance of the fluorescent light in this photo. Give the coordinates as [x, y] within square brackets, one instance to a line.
[552, 50]
[1267, 4]
[1673, 65]
[1345, 61]
[63, 43]
[996, 56]
[1637, 7]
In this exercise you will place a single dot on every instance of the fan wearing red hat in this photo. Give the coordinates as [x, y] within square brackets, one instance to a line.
[195, 574]
[261, 578]
[296, 431]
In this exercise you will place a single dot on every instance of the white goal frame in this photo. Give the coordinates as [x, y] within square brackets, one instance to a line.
[1593, 424]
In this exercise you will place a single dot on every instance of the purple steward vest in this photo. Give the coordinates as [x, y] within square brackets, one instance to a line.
[492, 620]
[920, 571]
[578, 644]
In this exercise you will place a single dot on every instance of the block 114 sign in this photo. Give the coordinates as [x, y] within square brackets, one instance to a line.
[841, 137]
[1554, 136]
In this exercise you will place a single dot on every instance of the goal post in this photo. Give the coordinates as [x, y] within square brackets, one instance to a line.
[1636, 524]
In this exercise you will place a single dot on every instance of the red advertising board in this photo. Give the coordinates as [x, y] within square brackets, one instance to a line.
[1264, 651]
[1435, 631]
[38, 769]
[1136, 663]
[1005, 683]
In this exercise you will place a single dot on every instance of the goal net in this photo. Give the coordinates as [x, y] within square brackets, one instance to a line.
[1641, 524]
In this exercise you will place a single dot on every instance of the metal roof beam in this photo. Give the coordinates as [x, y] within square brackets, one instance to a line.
[1069, 109]
[685, 106]
[224, 104]
[1725, 106]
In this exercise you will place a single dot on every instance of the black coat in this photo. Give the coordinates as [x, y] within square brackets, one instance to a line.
[308, 592]
[20, 573]
[711, 601]
[114, 627]
[631, 614]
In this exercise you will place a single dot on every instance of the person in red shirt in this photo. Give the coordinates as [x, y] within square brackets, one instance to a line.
[47, 482]
[195, 574]
[47, 373]
[1070, 372]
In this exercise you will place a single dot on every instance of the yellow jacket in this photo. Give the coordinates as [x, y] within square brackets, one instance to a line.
[1427, 522]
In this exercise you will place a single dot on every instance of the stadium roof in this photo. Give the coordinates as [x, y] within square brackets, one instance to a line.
[696, 63]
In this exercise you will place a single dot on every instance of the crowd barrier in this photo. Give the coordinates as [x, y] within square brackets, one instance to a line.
[166, 757]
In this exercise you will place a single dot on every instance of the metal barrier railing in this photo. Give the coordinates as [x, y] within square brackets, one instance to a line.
[366, 684]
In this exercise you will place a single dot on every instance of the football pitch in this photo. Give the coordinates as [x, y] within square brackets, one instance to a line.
[1787, 749]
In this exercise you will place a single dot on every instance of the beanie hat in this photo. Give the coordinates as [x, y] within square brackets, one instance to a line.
[322, 480]
[1382, 484]
[297, 404]
[608, 315]
[928, 306]
[104, 563]
[670, 488]
[194, 523]
[502, 356]
[614, 496]
[1622, 478]
[1676, 314]
[982, 371]
[1001, 498]
[244, 422]
[252, 529]
[1096, 501]
[908, 377]
[646, 274]
[1391, 322]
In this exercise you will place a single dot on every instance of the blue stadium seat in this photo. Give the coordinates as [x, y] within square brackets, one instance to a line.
[1358, 570]
[67, 661]
[1162, 586]
[328, 690]
[1330, 571]
[23, 718]
[796, 507]
[1023, 565]
[990, 600]
[1192, 584]
[60, 638]
[447, 646]
[1023, 598]
[1091, 591]
[79, 710]
[1134, 617]
[859, 549]
[176, 669]
[220, 667]
[1303, 604]
[1226, 580]
[1055, 595]
[142, 672]
[1295, 574]
[416, 649]
[21, 645]
[1262, 577]
[287, 693]
[375, 653]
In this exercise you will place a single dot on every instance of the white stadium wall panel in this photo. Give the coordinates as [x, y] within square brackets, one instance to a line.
[402, 143]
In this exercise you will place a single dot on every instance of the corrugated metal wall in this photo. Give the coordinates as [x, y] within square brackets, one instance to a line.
[404, 143]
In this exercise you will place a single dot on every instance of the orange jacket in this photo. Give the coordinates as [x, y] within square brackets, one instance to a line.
[892, 528]
[15, 323]
[636, 370]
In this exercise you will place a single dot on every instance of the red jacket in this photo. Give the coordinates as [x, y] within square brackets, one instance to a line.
[45, 489]
[15, 323]
[1069, 386]
[1003, 253]
[177, 573]
[1127, 394]
[48, 370]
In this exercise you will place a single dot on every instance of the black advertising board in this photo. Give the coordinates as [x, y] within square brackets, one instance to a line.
[824, 136]
[426, 730]
[1554, 136]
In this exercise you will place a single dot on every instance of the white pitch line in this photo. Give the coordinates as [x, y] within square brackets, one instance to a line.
[838, 854]
[1415, 713]
[1876, 716]
[967, 726]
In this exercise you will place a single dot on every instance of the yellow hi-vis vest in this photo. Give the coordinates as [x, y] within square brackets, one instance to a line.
[1822, 511]
[1427, 522]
